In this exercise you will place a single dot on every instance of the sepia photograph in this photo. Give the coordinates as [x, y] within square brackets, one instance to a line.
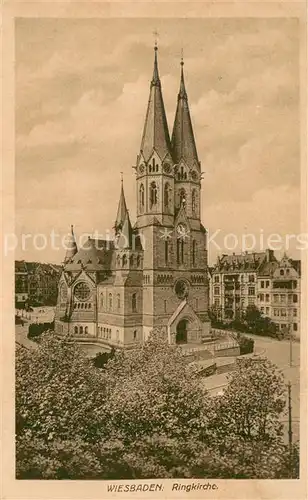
[158, 251]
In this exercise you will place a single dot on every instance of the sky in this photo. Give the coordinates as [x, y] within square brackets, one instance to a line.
[82, 87]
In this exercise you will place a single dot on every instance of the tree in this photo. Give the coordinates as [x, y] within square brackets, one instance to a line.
[252, 317]
[153, 389]
[102, 358]
[59, 394]
[144, 415]
[252, 404]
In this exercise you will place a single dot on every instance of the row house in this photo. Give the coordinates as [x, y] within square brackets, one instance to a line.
[21, 283]
[257, 278]
[36, 283]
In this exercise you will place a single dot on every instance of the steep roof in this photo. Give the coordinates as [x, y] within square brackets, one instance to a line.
[94, 255]
[155, 133]
[122, 210]
[267, 268]
[297, 265]
[71, 246]
[183, 142]
[240, 262]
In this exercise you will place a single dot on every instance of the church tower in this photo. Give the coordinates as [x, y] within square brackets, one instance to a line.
[184, 151]
[168, 182]
[154, 168]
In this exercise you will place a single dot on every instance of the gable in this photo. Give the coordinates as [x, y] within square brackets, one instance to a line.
[182, 218]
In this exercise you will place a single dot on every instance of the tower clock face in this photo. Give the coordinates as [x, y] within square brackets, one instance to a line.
[82, 291]
[181, 289]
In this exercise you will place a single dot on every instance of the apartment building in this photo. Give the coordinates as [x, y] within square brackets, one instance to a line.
[258, 278]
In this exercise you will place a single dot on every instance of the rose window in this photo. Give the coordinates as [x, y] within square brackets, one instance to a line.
[82, 291]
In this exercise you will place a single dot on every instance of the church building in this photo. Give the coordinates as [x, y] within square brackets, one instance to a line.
[153, 273]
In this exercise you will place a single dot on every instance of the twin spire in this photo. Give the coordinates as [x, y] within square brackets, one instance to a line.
[156, 133]
[183, 140]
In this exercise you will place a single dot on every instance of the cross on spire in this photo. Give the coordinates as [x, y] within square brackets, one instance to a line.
[156, 35]
[182, 57]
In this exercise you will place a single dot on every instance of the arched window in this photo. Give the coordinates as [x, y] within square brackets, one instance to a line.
[166, 251]
[102, 301]
[86, 306]
[194, 252]
[180, 250]
[138, 260]
[134, 302]
[166, 195]
[182, 195]
[110, 301]
[153, 194]
[153, 165]
[118, 260]
[81, 330]
[193, 201]
[141, 198]
[118, 301]
[124, 260]
[135, 334]
[81, 305]
[76, 330]
[86, 330]
[131, 260]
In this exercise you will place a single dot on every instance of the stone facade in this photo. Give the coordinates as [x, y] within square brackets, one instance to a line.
[152, 274]
[259, 279]
[36, 283]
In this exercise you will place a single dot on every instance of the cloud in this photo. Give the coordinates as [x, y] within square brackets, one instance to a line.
[82, 88]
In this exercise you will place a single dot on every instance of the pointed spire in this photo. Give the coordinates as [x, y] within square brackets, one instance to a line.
[182, 93]
[183, 141]
[155, 79]
[122, 209]
[71, 246]
[125, 238]
[155, 133]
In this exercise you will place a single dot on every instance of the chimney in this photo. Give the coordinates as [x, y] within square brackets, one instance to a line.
[269, 255]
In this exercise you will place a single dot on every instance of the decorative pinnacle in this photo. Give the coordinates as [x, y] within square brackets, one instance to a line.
[121, 177]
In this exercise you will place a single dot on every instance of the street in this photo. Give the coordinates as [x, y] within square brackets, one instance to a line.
[278, 352]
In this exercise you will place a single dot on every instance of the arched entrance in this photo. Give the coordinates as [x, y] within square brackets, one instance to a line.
[181, 332]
